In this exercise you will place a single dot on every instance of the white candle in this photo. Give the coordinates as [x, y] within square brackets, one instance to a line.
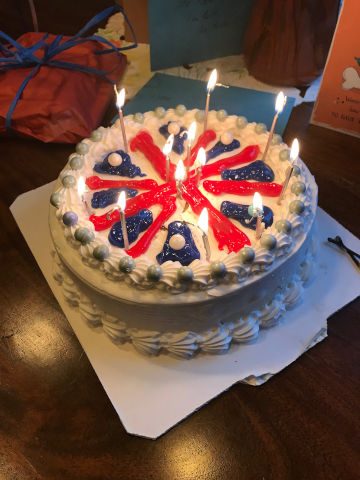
[81, 188]
[166, 151]
[179, 177]
[210, 87]
[258, 213]
[199, 163]
[294, 153]
[279, 105]
[122, 206]
[203, 224]
[191, 136]
[120, 100]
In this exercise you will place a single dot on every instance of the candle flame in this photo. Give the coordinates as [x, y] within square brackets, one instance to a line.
[168, 145]
[203, 221]
[81, 186]
[280, 102]
[180, 171]
[201, 158]
[257, 202]
[212, 81]
[294, 153]
[192, 132]
[122, 200]
[120, 97]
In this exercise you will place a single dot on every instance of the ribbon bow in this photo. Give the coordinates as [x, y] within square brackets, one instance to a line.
[18, 56]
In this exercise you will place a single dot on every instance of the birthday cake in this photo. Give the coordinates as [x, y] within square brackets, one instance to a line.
[180, 287]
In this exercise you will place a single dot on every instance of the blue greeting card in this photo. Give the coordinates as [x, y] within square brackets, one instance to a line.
[188, 31]
[169, 91]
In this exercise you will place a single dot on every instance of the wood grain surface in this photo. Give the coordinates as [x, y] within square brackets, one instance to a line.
[57, 423]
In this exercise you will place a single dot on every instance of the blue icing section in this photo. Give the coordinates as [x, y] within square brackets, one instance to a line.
[125, 169]
[134, 226]
[185, 255]
[103, 198]
[220, 148]
[258, 170]
[240, 213]
[179, 139]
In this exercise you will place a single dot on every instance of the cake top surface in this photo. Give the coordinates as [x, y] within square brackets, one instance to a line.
[167, 250]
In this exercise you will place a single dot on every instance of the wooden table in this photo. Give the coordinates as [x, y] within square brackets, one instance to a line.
[56, 421]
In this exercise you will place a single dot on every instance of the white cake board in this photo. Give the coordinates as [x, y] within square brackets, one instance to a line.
[152, 394]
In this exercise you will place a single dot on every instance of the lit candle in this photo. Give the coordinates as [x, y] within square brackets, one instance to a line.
[210, 87]
[120, 100]
[122, 206]
[203, 224]
[166, 151]
[279, 105]
[191, 136]
[294, 153]
[199, 163]
[81, 188]
[179, 177]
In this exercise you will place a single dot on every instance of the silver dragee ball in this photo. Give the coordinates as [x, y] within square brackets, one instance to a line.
[199, 116]
[241, 122]
[68, 181]
[226, 138]
[55, 199]
[297, 206]
[247, 255]
[298, 188]
[296, 171]
[283, 226]
[177, 241]
[82, 148]
[83, 235]
[284, 155]
[126, 264]
[154, 273]
[101, 252]
[185, 274]
[180, 110]
[159, 112]
[260, 128]
[221, 115]
[217, 269]
[268, 241]
[96, 135]
[138, 117]
[76, 162]
[114, 159]
[276, 139]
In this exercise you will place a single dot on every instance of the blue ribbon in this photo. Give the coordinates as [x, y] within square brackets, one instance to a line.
[21, 57]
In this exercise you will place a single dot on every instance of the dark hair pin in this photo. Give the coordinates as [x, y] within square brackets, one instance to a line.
[339, 243]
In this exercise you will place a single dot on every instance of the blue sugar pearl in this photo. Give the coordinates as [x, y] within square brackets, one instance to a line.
[82, 148]
[68, 181]
[241, 122]
[69, 219]
[180, 110]
[126, 264]
[56, 199]
[297, 206]
[185, 275]
[154, 273]
[247, 255]
[283, 226]
[284, 155]
[96, 135]
[101, 252]
[84, 235]
[260, 128]
[199, 116]
[76, 162]
[268, 241]
[217, 270]
[221, 115]
[159, 112]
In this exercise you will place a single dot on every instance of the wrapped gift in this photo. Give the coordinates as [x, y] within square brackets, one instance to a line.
[56, 88]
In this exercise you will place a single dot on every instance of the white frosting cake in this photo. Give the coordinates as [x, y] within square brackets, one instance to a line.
[192, 304]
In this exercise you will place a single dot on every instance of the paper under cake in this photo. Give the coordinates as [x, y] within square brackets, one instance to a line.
[163, 294]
